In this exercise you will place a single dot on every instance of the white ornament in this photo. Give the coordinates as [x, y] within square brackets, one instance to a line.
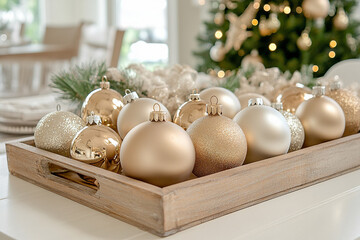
[341, 20]
[217, 52]
[315, 9]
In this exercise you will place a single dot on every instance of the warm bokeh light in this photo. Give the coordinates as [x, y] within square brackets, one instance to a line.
[254, 22]
[267, 7]
[332, 54]
[256, 5]
[201, 2]
[299, 10]
[332, 43]
[218, 34]
[315, 68]
[221, 74]
[272, 47]
[287, 10]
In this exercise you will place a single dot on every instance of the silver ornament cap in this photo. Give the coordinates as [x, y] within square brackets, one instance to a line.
[157, 115]
[335, 85]
[214, 108]
[194, 96]
[318, 91]
[277, 105]
[130, 96]
[255, 102]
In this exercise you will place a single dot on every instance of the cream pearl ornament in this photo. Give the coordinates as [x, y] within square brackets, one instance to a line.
[97, 145]
[190, 111]
[316, 9]
[341, 20]
[266, 130]
[230, 103]
[219, 143]
[244, 99]
[217, 52]
[322, 118]
[135, 111]
[105, 103]
[296, 128]
[55, 131]
[157, 151]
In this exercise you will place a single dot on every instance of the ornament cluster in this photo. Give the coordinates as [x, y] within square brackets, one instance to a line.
[213, 131]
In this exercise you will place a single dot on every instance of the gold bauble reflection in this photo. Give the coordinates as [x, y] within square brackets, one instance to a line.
[188, 112]
[106, 103]
[230, 103]
[219, 143]
[55, 131]
[160, 153]
[350, 104]
[99, 146]
[137, 112]
[266, 130]
[322, 119]
[291, 97]
[244, 99]
[297, 131]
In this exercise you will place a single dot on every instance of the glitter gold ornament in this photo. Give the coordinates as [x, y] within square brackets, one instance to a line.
[55, 131]
[191, 110]
[341, 20]
[219, 143]
[350, 104]
[135, 111]
[104, 102]
[266, 130]
[316, 9]
[322, 118]
[244, 99]
[291, 97]
[296, 128]
[230, 103]
[97, 145]
[157, 151]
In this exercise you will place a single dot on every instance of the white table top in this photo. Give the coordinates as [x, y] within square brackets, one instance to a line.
[328, 210]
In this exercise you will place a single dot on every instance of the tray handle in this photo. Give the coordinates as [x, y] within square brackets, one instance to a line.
[69, 176]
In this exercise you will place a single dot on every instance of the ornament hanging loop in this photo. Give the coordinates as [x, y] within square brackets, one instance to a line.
[58, 107]
[156, 105]
[127, 91]
[214, 108]
[211, 100]
[104, 84]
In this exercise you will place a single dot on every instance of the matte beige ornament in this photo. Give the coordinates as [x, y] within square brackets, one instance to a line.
[291, 97]
[157, 151]
[219, 143]
[217, 52]
[322, 118]
[97, 145]
[304, 42]
[316, 9]
[228, 100]
[341, 20]
[135, 111]
[296, 128]
[55, 131]
[244, 99]
[350, 104]
[266, 130]
[190, 111]
[104, 102]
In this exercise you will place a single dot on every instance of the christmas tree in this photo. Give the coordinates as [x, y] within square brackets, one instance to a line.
[284, 34]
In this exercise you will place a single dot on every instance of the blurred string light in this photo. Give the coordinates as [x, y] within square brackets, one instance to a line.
[332, 54]
[298, 10]
[254, 22]
[333, 44]
[287, 10]
[221, 74]
[315, 68]
[272, 47]
[267, 7]
[218, 34]
[256, 5]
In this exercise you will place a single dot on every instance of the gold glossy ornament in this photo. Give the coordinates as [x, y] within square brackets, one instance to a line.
[244, 99]
[190, 111]
[135, 111]
[350, 104]
[229, 101]
[104, 102]
[341, 20]
[322, 118]
[55, 131]
[157, 151]
[296, 128]
[219, 143]
[266, 130]
[97, 145]
[304, 42]
[291, 97]
[316, 9]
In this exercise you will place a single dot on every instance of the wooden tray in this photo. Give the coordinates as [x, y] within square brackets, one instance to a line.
[164, 211]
